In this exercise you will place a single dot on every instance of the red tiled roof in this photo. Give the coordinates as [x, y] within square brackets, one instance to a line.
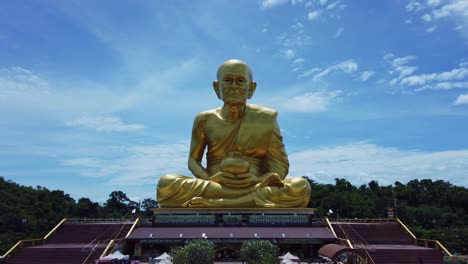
[232, 232]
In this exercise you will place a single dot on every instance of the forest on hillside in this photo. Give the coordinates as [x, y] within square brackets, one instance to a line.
[432, 209]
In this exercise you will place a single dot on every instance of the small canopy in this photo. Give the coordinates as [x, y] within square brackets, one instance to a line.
[288, 256]
[116, 255]
[163, 256]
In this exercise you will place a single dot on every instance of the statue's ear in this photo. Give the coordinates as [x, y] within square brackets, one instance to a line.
[252, 87]
[216, 88]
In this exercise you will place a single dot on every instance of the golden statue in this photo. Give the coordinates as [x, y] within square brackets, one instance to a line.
[246, 160]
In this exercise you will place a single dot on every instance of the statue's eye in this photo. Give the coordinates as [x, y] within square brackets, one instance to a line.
[227, 79]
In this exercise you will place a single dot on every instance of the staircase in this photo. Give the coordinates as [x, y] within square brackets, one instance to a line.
[386, 242]
[72, 243]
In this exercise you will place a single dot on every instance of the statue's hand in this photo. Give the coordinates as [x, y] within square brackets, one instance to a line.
[270, 179]
[222, 177]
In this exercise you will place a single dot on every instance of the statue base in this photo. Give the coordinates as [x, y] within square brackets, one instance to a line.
[235, 217]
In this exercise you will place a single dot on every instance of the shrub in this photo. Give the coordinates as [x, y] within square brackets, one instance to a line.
[195, 252]
[259, 252]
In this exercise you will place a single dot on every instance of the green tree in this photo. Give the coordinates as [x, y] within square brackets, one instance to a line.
[259, 252]
[146, 206]
[195, 252]
[86, 208]
[119, 204]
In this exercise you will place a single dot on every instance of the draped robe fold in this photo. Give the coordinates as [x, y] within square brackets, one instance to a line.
[257, 136]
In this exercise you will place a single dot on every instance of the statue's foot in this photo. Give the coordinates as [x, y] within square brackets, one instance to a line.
[203, 202]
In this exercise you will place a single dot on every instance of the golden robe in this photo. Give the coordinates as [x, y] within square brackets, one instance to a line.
[257, 136]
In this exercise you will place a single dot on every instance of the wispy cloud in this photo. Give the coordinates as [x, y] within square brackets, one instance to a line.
[104, 124]
[348, 66]
[431, 29]
[454, 79]
[18, 81]
[338, 32]
[311, 102]
[366, 75]
[361, 162]
[431, 11]
[136, 164]
[289, 54]
[461, 99]
[268, 4]
[430, 79]
[313, 15]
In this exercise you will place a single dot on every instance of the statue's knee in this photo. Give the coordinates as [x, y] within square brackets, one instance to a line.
[166, 180]
[299, 182]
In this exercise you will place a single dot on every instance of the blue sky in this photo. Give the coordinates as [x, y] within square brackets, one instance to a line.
[97, 96]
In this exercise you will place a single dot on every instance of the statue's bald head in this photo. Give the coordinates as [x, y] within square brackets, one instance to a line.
[234, 63]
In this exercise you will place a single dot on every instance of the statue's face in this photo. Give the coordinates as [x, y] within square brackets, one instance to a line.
[234, 83]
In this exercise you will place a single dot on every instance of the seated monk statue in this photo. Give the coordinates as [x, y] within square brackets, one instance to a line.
[246, 160]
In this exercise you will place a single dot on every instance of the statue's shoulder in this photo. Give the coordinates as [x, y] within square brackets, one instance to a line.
[204, 115]
[262, 110]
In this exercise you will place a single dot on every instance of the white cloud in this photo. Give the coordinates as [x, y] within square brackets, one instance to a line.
[308, 73]
[296, 64]
[136, 165]
[400, 60]
[366, 75]
[431, 29]
[23, 91]
[17, 81]
[268, 4]
[313, 15]
[311, 102]
[455, 74]
[348, 66]
[454, 8]
[362, 162]
[433, 2]
[426, 17]
[288, 54]
[338, 32]
[297, 39]
[413, 6]
[104, 123]
[388, 56]
[333, 5]
[443, 86]
[454, 79]
[461, 99]
[323, 2]
[298, 27]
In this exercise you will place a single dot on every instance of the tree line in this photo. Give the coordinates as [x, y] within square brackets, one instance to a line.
[432, 209]
[27, 212]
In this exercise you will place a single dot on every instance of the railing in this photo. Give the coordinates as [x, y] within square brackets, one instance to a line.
[21, 244]
[330, 226]
[406, 229]
[55, 228]
[90, 253]
[99, 221]
[345, 242]
[33, 242]
[364, 220]
[137, 221]
[369, 257]
[431, 243]
[112, 241]
[426, 242]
